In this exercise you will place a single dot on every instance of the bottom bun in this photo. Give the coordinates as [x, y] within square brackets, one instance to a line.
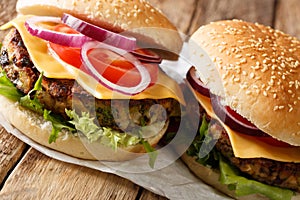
[36, 128]
[211, 177]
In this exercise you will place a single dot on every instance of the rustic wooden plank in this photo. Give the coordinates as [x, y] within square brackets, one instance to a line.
[11, 150]
[178, 12]
[287, 17]
[38, 176]
[248, 10]
[7, 12]
[147, 195]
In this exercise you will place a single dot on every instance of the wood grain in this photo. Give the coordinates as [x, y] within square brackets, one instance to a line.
[179, 12]
[288, 16]
[261, 11]
[40, 177]
[11, 150]
[147, 195]
[7, 12]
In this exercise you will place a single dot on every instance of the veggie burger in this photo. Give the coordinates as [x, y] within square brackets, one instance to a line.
[249, 138]
[79, 76]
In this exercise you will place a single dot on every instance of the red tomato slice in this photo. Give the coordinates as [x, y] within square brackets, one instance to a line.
[111, 65]
[118, 70]
[70, 55]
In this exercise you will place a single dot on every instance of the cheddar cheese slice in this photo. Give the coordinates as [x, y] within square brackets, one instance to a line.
[246, 146]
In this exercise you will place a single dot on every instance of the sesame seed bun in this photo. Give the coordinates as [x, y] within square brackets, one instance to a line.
[259, 69]
[36, 128]
[137, 17]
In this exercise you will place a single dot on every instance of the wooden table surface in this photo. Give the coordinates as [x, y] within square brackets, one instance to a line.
[27, 174]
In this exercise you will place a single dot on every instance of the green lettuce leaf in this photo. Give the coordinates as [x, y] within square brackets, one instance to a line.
[57, 125]
[243, 186]
[152, 153]
[205, 156]
[33, 103]
[86, 125]
[8, 89]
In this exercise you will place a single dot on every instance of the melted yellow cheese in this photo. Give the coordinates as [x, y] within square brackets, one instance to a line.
[37, 48]
[245, 146]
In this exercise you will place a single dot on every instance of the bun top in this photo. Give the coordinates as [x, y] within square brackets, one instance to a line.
[136, 17]
[259, 69]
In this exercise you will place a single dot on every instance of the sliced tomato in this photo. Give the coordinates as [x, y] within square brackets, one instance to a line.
[117, 69]
[70, 55]
[111, 65]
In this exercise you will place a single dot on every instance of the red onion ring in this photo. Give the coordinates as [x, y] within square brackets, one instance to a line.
[145, 55]
[99, 34]
[234, 120]
[196, 83]
[145, 76]
[72, 40]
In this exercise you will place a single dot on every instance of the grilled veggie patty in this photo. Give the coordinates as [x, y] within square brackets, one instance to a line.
[60, 94]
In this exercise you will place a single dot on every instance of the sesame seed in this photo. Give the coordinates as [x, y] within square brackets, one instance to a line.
[255, 67]
[265, 68]
[236, 79]
[290, 107]
[222, 49]
[265, 93]
[257, 78]
[243, 61]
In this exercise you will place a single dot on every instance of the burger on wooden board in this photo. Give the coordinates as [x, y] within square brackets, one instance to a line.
[249, 137]
[79, 74]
